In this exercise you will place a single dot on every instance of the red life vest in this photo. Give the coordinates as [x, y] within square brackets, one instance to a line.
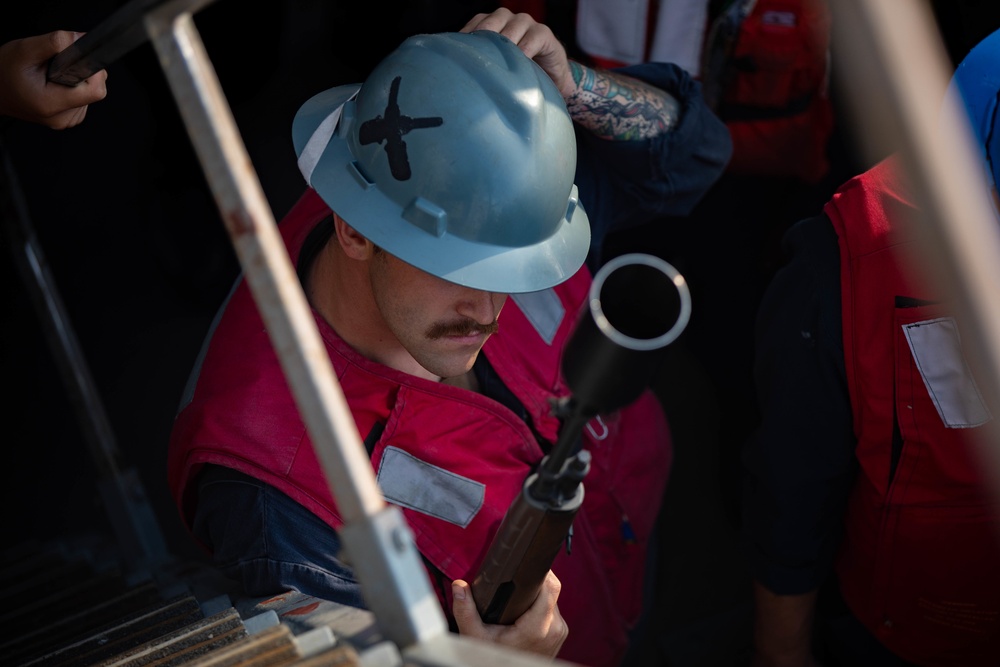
[242, 415]
[773, 88]
[918, 564]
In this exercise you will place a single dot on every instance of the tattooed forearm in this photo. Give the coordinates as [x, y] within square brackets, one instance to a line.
[617, 107]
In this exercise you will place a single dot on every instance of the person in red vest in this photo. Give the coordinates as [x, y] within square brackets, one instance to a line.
[870, 527]
[26, 94]
[764, 65]
[456, 204]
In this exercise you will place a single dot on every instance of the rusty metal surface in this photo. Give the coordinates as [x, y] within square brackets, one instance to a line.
[192, 641]
[64, 638]
[272, 647]
[339, 656]
[125, 633]
[40, 610]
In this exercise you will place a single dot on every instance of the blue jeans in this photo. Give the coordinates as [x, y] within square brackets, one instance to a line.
[268, 542]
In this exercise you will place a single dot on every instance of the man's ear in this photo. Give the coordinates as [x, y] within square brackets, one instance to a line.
[351, 241]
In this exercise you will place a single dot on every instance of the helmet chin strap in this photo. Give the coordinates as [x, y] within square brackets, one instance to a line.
[317, 143]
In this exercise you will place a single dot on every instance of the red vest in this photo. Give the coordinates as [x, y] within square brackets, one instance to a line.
[242, 415]
[774, 96]
[920, 560]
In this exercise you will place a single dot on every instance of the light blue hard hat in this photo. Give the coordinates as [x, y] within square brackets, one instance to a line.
[977, 78]
[457, 156]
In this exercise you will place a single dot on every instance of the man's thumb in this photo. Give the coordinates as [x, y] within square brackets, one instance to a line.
[463, 607]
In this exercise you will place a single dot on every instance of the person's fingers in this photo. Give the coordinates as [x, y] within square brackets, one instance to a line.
[514, 27]
[536, 40]
[59, 40]
[494, 21]
[463, 608]
[90, 90]
[544, 614]
[62, 107]
[67, 119]
[31, 96]
[541, 629]
[472, 24]
[68, 104]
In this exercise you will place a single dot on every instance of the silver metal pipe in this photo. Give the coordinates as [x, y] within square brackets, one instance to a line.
[376, 538]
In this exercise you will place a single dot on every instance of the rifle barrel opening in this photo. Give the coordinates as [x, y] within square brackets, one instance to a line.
[640, 301]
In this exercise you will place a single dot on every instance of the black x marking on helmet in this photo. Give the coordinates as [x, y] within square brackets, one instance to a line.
[390, 128]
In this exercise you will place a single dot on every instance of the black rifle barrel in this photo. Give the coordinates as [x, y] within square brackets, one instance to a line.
[638, 304]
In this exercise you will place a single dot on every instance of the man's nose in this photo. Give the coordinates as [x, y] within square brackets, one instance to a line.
[482, 307]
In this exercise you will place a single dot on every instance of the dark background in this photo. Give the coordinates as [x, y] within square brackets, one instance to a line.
[141, 262]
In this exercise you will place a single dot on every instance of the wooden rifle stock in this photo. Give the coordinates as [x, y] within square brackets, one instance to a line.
[638, 305]
[524, 547]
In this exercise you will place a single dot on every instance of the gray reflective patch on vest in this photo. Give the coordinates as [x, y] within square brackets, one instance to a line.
[937, 351]
[543, 309]
[417, 485]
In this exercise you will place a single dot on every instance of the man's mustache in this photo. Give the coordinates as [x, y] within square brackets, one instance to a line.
[464, 328]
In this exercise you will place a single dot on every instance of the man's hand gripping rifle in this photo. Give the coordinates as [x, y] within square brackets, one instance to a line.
[638, 304]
